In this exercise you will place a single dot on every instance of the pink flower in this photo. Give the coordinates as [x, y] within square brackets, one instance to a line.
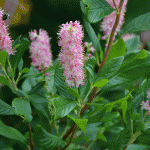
[128, 36]
[5, 41]
[46, 74]
[148, 94]
[108, 22]
[40, 49]
[71, 56]
[145, 105]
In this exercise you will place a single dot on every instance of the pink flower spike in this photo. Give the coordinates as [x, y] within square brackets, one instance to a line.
[127, 36]
[5, 40]
[148, 94]
[40, 49]
[108, 22]
[71, 55]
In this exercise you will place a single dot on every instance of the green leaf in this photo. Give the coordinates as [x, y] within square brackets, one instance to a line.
[62, 106]
[80, 122]
[110, 68]
[90, 72]
[79, 139]
[16, 42]
[3, 80]
[24, 70]
[91, 61]
[116, 129]
[60, 83]
[110, 105]
[73, 92]
[124, 109]
[40, 103]
[3, 57]
[139, 23]
[20, 65]
[37, 87]
[94, 39]
[132, 44]
[45, 140]
[15, 59]
[147, 127]
[139, 125]
[110, 117]
[6, 109]
[142, 54]
[20, 93]
[135, 116]
[100, 83]
[100, 135]
[137, 147]
[11, 133]
[118, 49]
[97, 10]
[22, 108]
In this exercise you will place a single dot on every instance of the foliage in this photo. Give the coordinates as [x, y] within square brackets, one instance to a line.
[105, 112]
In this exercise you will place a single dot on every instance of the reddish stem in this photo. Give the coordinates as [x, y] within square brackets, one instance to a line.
[74, 126]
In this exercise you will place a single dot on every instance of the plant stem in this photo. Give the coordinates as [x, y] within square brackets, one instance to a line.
[73, 128]
[133, 138]
[30, 135]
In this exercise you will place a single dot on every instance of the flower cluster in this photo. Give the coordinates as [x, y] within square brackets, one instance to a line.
[145, 105]
[128, 36]
[90, 50]
[108, 21]
[40, 49]
[71, 56]
[5, 41]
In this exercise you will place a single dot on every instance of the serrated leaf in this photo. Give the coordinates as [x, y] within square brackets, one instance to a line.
[60, 83]
[6, 109]
[11, 133]
[63, 106]
[15, 59]
[94, 40]
[37, 87]
[110, 68]
[132, 44]
[100, 83]
[139, 23]
[80, 122]
[110, 117]
[90, 72]
[97, 10]
[40, 103]
[118, 49]
[73, 92]
[22, 108]
[45, 140]
[137, 147]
